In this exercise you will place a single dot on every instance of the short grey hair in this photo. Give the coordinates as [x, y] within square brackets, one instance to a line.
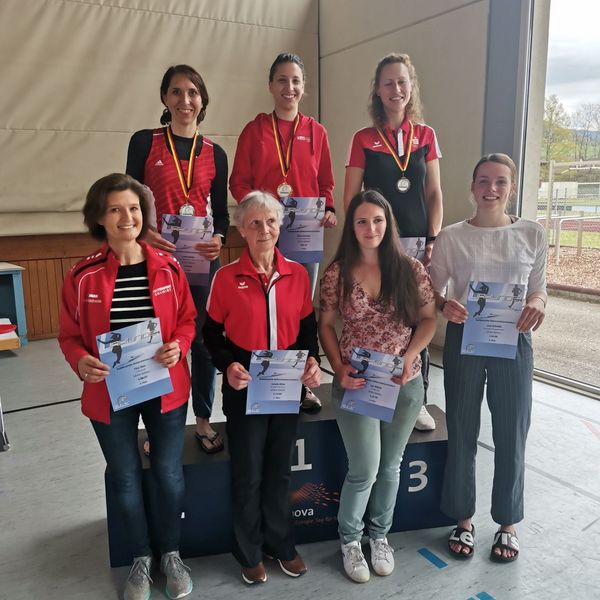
[259, 200]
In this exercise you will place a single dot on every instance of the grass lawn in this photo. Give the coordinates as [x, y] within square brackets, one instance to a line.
[569, 238]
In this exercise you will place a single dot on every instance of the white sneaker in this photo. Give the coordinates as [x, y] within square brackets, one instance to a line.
[382, 556]
[355, 565]
[424, 421]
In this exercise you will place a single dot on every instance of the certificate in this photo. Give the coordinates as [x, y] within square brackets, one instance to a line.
[301, 235]
[134, 374]
[379, 396]
[414, 246]
[275, 387]
[185, 232]
[494, 309]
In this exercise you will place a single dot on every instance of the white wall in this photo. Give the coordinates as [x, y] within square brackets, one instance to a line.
[79, 77]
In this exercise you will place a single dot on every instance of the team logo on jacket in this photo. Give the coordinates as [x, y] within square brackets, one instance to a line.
[165, 289]
[242, 285]
[303, 138]
[93, 298]
[415, 141]
[377, 144]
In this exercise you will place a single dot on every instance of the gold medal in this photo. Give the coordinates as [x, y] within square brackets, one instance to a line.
[284, 190]
[403, 184]
[285, 162]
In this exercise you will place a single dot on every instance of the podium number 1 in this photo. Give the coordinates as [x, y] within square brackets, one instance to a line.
[301, 466]
[420, 476]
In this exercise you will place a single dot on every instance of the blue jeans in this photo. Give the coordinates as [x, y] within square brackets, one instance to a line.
[203, 371]
[374, 450]
[118, 441]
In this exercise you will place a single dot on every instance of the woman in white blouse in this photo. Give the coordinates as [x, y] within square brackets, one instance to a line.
[491, 246]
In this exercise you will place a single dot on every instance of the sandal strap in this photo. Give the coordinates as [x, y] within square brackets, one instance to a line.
[504, 540]
[465, 537]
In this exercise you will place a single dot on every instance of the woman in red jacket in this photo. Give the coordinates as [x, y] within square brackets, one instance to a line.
[124, 283]
[286, 153]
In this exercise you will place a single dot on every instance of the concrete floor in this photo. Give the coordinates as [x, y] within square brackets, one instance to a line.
[53, 540]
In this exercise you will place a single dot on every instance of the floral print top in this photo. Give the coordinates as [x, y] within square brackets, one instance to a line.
[366, 322]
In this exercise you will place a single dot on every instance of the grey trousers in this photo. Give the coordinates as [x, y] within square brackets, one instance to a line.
[509, 389]
[374, 449]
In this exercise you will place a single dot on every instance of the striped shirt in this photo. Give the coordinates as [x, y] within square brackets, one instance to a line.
[131, 300]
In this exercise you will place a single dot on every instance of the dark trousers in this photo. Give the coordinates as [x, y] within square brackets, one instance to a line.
[509, 396]
[118, 441]
[203, 371]
[425, 372]
[261, 448]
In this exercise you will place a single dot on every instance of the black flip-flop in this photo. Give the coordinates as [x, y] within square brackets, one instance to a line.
[505, 540]
[464, 537]
[212, 449]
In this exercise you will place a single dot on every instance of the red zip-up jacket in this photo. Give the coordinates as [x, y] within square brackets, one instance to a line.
[244, 316]
[85, 313]
[256, 165]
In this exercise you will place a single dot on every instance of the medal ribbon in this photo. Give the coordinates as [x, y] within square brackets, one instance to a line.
[401, 166]
[185, 183]
[284, 162]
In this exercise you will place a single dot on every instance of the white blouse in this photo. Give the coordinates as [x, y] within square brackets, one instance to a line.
[514, 253]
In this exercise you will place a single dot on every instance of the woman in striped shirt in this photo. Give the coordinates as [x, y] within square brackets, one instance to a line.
[124, 283]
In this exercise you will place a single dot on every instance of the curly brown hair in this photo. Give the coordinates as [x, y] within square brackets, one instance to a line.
[414, 109]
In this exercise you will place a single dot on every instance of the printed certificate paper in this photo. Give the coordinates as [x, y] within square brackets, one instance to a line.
[301, 235]
[185, 232]
[414, 246]
[134, 374]
[275, 387]
[494, 309]
[379, 396]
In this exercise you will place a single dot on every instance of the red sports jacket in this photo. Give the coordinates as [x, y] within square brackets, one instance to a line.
[85, 313]
[256, 165]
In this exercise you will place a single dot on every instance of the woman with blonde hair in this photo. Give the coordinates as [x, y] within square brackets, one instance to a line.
[399, 156]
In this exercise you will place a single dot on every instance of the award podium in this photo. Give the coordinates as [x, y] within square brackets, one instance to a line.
[317, 475]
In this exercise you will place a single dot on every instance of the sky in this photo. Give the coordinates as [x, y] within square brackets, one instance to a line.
[573, 72]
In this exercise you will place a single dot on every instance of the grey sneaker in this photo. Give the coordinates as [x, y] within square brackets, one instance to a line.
[137, 586]
[179, 582]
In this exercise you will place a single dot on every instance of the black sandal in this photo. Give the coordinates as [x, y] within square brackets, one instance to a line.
[505, 540]
[464, 537]
[208, 442]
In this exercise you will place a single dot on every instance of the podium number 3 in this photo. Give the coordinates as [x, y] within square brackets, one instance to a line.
[419, 475]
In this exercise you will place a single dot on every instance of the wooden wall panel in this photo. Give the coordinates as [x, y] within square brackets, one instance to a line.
[48, 258]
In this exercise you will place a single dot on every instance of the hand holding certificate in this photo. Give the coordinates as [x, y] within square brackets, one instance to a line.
[276, 382]
[185, 231]
[379, 396]
[301, 235]
[494, 310]
[135, 373]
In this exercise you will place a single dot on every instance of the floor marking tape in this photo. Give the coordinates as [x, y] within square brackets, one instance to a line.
[432, 558]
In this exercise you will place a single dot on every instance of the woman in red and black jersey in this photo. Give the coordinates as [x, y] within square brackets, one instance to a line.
[399, 156]
[187, 174]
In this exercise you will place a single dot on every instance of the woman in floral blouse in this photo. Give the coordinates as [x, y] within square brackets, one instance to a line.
[386, 303]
